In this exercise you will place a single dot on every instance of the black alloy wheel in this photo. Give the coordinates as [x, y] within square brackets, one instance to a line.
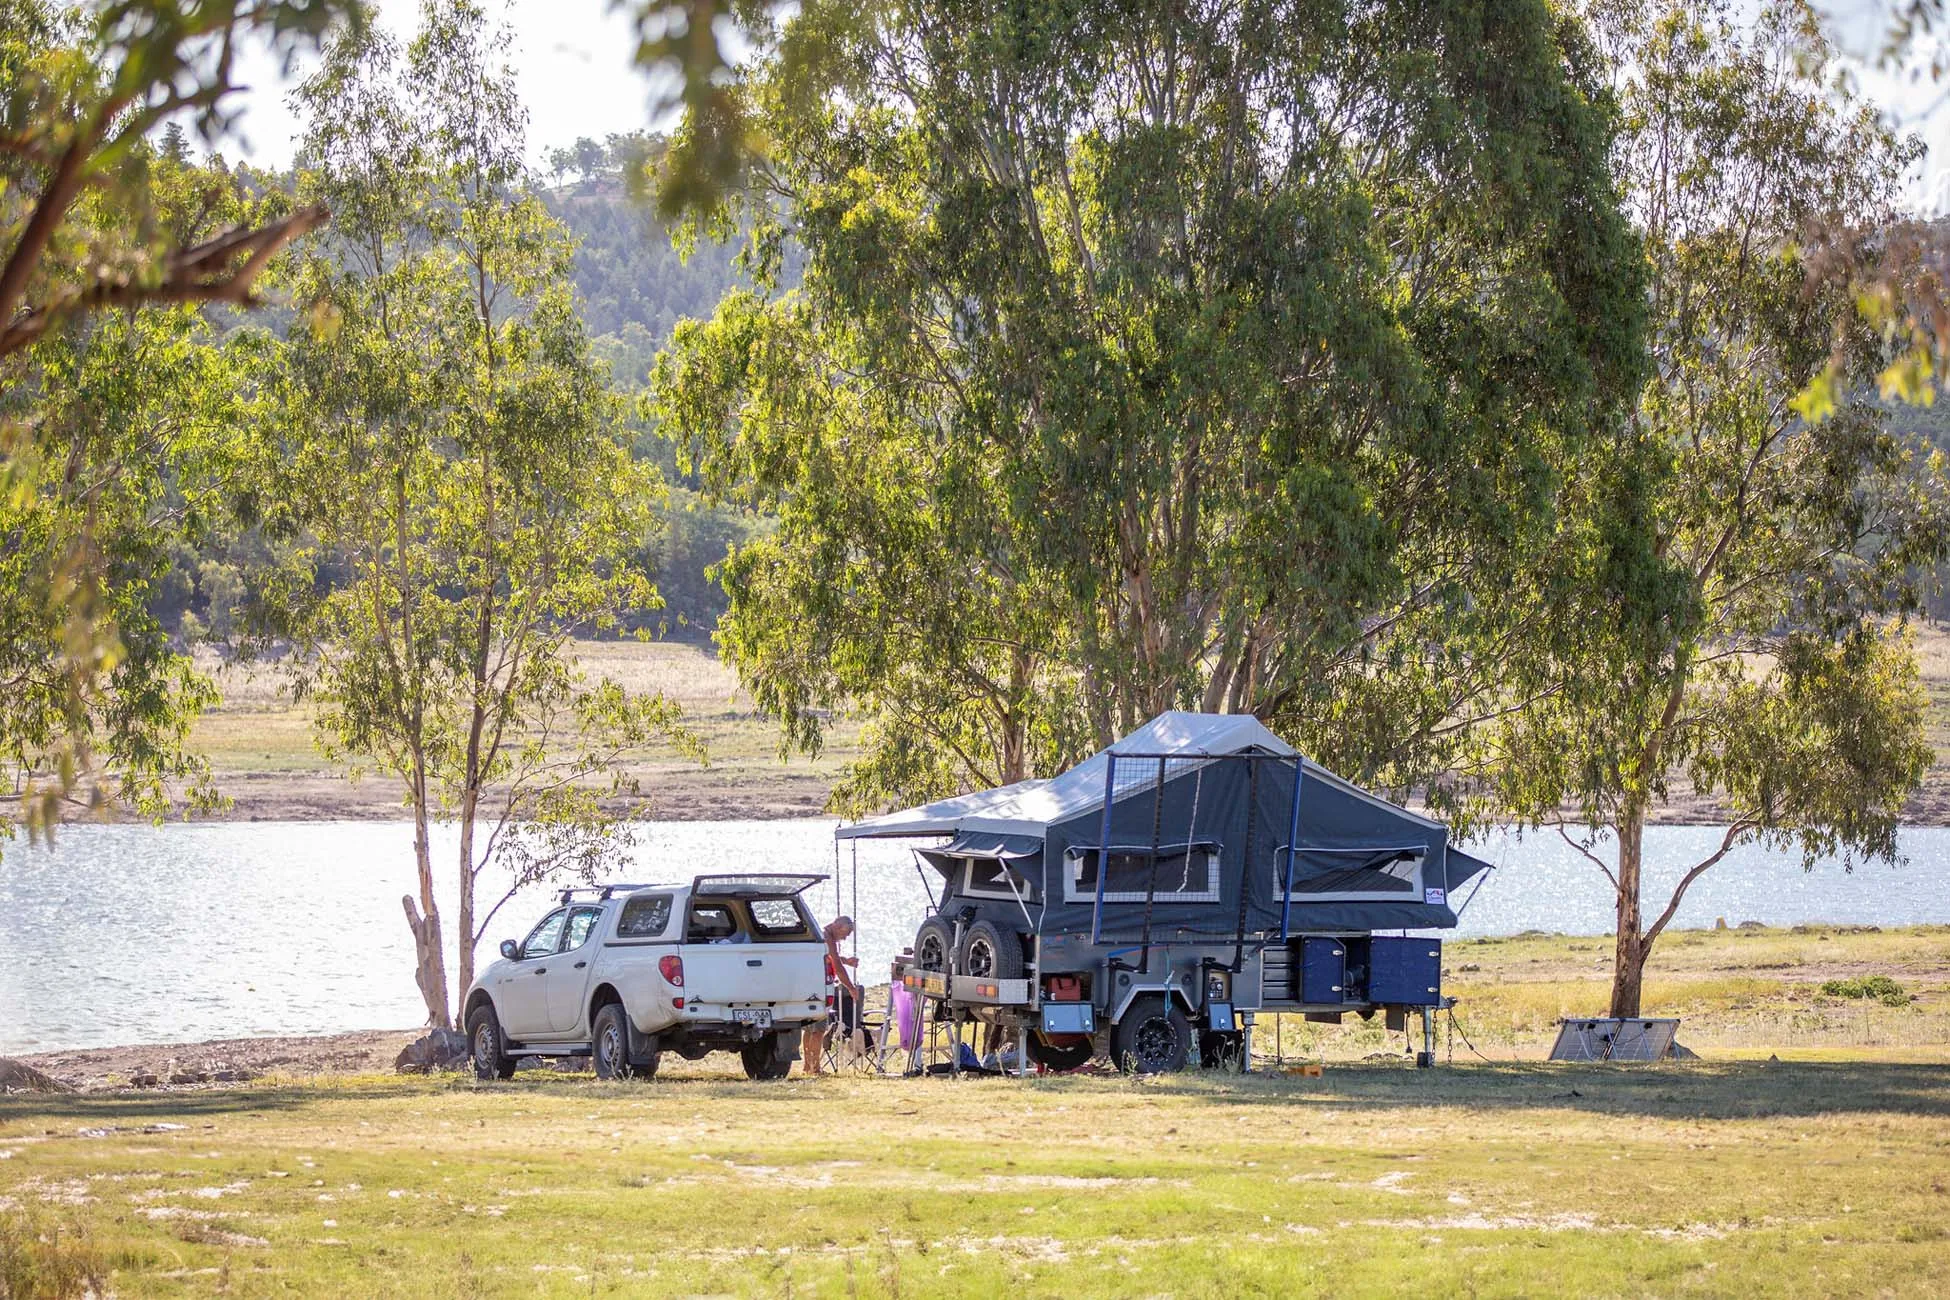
[1154, 1036]
[991, 953]
[934, 945]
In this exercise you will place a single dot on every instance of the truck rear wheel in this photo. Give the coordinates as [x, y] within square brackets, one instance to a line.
[1060, 1051]
[610, 1045]
[1153, 1036]
[767, 1058]
[934, 946]
[989, 952]
[485, 1044]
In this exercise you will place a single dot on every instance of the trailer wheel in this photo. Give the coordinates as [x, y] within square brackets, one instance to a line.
[1153, 1037]
[934, 946]
[1060, 1051]
[989, 952]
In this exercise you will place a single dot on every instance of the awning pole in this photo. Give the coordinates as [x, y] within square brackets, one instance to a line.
[1103, 847]
[1246, 866]
[1151, 888]
[1292, 846]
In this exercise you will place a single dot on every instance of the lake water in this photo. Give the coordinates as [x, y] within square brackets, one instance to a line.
[134, 934]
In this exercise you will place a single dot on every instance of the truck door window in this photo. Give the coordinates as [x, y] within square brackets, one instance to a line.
[644, 917]
[779, 919]
[542, 940]
[710, 922]
[581, 921]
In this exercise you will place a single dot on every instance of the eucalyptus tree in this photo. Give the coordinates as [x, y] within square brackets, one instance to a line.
[440, 430]
[1152, 356]
[98, 411]
[1728, 581]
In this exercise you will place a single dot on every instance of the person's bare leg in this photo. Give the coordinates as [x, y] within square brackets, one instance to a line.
[811, 1044]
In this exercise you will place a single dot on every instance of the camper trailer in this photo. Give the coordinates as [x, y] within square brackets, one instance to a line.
[1164, 892]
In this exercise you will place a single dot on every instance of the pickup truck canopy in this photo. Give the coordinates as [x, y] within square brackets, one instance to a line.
[754, 885]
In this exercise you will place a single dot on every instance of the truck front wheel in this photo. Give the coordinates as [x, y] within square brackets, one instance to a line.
[485, 1045]
[1153, 1037]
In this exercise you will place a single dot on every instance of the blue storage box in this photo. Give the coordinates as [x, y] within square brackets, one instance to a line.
[1405, 972]
[1323, 970]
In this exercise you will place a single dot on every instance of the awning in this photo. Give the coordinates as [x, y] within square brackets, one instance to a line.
[988, 844]
[1462, 866]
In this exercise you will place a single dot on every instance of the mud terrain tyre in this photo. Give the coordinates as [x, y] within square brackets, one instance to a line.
[934, 945]
[991, 953]
[1154, 1036]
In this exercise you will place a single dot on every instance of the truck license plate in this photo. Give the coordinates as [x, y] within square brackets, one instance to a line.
[759, 1016]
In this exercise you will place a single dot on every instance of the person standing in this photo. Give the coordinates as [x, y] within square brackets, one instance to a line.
[812, 1044]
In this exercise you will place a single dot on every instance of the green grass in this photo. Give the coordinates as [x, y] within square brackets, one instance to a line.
[1762, 1179]
[1823, 1173]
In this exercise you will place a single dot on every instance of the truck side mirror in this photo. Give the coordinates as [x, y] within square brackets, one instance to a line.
[510, 949]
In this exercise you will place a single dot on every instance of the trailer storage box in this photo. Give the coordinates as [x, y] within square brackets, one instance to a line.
[1405, 972]
[1323, 970]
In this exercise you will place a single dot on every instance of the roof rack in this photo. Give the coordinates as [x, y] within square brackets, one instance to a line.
[603, 892]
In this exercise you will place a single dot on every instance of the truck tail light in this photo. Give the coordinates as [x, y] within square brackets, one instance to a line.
[672, 969]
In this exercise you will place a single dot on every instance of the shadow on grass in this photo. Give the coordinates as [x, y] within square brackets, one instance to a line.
[132, 1109]
[1699, 1090]
[1692, 1091]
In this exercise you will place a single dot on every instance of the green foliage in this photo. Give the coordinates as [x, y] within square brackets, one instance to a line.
[1728, 573]
[1152, 357]
[632, 285]
[442, 435]
[111, 426]
[1879, 987]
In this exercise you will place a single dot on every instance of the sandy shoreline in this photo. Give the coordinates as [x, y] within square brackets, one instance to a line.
[222, 1061]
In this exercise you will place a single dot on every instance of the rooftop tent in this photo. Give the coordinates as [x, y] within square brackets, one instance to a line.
[1193, 817]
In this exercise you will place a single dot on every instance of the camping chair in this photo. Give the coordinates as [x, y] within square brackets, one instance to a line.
[841, 1054]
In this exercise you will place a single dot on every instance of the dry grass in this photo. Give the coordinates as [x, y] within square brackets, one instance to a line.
[262, 749]
[1797, 1179]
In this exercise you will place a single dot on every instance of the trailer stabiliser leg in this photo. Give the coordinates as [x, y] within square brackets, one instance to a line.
[1426, 1057]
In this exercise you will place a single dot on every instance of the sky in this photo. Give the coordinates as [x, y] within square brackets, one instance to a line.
[572, 62]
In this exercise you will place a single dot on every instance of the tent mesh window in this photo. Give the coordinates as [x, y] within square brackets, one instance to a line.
[1181, 876]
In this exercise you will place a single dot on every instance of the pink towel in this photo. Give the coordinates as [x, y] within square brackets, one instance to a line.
[906, 1010]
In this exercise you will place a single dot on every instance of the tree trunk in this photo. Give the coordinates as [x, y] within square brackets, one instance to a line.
[430, 963]
[1628, 962]
[469, 806]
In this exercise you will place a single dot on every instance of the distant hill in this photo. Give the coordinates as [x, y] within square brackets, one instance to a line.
[633, 284]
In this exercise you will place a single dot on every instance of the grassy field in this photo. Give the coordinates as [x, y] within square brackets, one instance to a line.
[1807, 1178]
[1825, 1172]
[260, 745]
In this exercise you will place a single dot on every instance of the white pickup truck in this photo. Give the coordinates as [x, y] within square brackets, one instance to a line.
[625, 973]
